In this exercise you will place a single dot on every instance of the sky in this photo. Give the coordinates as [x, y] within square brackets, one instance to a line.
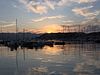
[46, 15]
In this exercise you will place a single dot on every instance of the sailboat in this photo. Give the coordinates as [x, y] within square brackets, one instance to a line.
[13, 44]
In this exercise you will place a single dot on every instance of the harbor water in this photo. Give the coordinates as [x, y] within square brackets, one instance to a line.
[69, 59]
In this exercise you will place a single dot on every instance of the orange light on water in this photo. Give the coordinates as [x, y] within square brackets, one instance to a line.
[52, 50]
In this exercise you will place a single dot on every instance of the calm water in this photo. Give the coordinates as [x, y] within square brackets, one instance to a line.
[71, 59]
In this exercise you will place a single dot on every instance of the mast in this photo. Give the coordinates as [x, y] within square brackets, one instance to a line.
[1, 33]
[16, 31]
[23, 34]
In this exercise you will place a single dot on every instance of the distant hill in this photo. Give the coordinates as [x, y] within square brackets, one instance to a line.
[74, 36]
[20, 36]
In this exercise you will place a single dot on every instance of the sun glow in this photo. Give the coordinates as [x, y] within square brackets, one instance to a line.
[49, 32]
[51, 28]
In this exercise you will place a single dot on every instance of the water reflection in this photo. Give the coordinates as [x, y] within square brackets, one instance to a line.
[56, 50]
[70, 59]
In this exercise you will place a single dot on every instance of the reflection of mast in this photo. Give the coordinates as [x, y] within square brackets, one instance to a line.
[17, 60]
[24, 54]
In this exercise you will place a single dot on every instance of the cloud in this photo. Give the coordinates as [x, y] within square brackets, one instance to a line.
[42, 6]
[56, 3]
[2, 22]
[34, 6]
[37, 8]
[50, 4]
[84, 1]
[9, 25]
[86, 12]
[82, 11]
[68, 21]
[49, 17]
[63, 2]
[23, 1]
[15, 6]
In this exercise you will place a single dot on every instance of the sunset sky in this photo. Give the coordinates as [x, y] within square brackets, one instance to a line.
[46, 15]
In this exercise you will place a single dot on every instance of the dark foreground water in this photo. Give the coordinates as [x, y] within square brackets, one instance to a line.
[71, 59]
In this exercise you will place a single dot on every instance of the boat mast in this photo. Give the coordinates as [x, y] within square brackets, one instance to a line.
[1, 34]
[16, 31]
